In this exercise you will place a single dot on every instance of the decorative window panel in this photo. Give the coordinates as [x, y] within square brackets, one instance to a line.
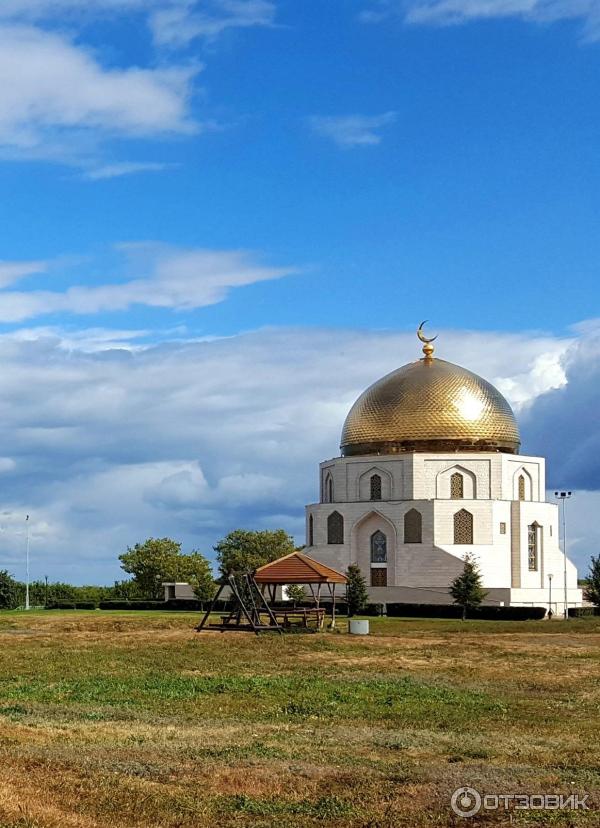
[375, 487]
[521, 487]
[335, 528]
[463, 527]
[457, 486]
[413, 527]
[503, 528]
[532, 547]
[379, 576]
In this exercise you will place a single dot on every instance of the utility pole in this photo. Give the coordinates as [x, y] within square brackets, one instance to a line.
[563, 497]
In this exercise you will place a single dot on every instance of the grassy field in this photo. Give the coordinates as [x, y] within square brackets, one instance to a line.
[111, 719]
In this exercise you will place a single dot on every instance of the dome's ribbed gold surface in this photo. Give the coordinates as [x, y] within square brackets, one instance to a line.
[430, 405]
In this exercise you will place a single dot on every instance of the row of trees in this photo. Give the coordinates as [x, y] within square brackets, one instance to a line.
[157, 560]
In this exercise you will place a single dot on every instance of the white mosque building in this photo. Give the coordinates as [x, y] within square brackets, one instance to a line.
[429, 471]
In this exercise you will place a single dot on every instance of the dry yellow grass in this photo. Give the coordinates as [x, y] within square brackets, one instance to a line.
[136, 720]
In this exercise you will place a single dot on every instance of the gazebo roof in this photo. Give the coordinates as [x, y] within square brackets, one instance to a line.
[297, 568]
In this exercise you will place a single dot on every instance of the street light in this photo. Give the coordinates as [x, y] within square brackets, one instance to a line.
[27, 563]
[550, 596]
[563, 497]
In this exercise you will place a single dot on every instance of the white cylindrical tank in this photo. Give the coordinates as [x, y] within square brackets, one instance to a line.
[359, 627]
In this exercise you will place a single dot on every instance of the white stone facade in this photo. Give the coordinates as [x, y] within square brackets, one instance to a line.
[505, 523]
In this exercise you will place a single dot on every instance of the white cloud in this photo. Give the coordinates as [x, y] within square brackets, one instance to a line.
[452, 12]
[169, 278]
[194, 439]
[52, 91]
[352, 130]
[178, 23]
[11, 272]
[174, 23]
[119, 169]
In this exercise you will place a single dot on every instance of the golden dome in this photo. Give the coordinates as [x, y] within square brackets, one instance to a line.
[430, 405]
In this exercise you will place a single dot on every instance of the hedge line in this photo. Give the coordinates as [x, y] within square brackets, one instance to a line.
[485, 613]
[583, 612]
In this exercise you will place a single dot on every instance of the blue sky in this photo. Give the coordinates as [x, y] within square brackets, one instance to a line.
[189, 185]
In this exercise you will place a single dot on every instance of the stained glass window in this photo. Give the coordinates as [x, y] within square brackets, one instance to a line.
[378, 547]
[463, 527]
[335, 528]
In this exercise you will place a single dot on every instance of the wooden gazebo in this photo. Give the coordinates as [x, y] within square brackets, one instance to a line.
[298, 568]
[250, 608]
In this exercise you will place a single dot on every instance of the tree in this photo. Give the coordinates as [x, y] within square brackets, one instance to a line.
[10, 591]
[466, 589]
[592, 588]
[356, 590]
[160, 559]
[200, 576]
[244, 551]
[296, 593]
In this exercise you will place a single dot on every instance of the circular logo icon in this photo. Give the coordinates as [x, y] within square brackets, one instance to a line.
[466, 802]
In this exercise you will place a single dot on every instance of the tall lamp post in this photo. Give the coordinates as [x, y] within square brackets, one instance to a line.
[549, 596]
[563, 497]
[27, 562]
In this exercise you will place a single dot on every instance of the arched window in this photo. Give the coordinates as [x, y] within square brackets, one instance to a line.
[328, 493]
[463, 527]
[375, 487]
[413, 527]
[457, 486]
[335, 528]
[521, 487]
[311, 531]
[378, 547]
[532, 546]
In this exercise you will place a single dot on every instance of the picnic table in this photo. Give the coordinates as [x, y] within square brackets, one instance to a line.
[299, 616]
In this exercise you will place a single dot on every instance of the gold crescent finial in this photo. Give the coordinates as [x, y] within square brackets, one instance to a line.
[428, 348]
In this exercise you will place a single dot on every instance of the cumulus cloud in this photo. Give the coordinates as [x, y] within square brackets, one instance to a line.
[171, 278]
[194, 439]
[563, 422]
[351, 130]
[60, 102]
[453, 12]
[53, 92]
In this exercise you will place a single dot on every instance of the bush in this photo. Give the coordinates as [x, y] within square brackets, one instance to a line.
[374, 610]
[484, 613]
[583, 612]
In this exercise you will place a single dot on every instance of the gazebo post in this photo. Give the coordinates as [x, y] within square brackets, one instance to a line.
[333, 606]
